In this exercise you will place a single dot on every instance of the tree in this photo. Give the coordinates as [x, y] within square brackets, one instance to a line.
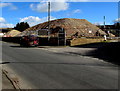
[21, 26]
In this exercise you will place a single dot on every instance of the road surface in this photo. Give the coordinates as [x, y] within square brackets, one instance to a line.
[42, 69]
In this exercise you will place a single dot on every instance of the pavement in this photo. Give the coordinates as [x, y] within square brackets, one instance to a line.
[6, 82]
[9, 81]
[56, 70]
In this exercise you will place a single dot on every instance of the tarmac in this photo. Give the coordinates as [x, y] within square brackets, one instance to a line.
[7, 83]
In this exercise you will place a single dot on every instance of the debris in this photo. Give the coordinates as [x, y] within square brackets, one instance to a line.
[12, 33]
[70, 25]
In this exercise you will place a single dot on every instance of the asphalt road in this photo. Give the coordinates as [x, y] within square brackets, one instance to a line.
[47, 70]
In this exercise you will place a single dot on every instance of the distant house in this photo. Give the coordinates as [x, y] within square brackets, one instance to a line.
[114, 30]
[1, 34]
[5, 30]
[107, 27]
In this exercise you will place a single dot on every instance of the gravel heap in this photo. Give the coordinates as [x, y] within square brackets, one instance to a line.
[70, 25]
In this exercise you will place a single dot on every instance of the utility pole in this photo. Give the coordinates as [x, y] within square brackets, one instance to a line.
[118, 18]
[104, 21]
[48, 21]
[104, 28]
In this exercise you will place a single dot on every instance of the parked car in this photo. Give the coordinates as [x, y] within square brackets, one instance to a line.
[30, 40]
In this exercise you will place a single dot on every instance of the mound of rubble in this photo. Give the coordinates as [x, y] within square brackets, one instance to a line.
[72, 26]
[12, 33]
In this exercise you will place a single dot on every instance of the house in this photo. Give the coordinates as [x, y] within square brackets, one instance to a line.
[111, 30]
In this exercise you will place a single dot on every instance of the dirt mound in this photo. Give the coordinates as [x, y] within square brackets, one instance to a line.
[12, 33]
[71, 26]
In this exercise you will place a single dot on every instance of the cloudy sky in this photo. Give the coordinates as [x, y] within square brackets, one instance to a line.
[36, 12]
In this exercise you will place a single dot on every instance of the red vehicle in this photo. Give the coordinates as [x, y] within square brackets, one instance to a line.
[31, 40]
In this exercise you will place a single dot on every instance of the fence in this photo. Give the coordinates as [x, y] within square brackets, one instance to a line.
[11, 39]
[53, 41]
[43, 41]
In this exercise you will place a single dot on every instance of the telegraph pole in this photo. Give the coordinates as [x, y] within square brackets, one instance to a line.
[104, 29]
[119, 17]
[48, 21]
[104, 22]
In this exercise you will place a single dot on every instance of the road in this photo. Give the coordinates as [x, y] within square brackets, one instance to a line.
[42, 69]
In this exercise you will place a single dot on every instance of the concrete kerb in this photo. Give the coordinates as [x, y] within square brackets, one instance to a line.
[14, 80]
[0, 77]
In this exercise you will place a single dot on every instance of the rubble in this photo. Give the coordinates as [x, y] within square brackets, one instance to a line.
[70, 25]
[12, 33]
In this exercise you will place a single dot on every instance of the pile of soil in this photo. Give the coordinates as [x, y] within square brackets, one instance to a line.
[70, 25]
[12, 33]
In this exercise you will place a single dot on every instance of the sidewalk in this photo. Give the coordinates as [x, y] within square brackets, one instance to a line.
[6, 83]
[9, 81]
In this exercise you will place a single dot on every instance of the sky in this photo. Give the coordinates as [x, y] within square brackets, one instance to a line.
[36, 12]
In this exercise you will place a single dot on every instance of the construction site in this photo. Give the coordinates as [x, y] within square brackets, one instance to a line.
[75, 47]
[63, 31]
[66, 31]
